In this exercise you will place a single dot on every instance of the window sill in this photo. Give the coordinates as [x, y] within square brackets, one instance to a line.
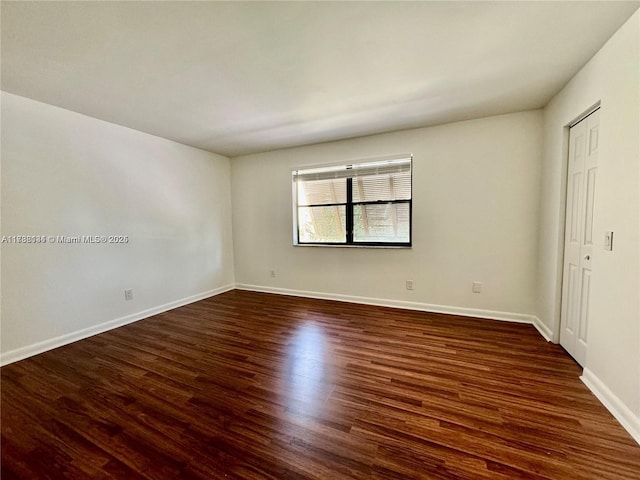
[336, 245]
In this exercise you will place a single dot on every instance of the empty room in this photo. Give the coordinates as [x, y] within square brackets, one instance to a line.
[320, 240]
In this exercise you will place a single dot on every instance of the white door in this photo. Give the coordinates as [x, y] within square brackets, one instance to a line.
[578, 246]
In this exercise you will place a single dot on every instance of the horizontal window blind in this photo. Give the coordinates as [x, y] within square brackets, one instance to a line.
[360, 204]
[381, 167]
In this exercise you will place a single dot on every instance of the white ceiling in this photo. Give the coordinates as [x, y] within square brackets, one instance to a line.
[243, 77]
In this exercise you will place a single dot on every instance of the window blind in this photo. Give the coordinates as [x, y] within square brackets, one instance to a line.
[355, 170]
[360, 204]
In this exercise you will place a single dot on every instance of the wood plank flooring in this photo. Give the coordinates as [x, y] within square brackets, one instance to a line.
[256, 386]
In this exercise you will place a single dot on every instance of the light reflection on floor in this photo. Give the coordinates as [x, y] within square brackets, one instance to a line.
[305, 368]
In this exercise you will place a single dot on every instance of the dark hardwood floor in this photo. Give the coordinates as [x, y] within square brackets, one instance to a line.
[257, 386]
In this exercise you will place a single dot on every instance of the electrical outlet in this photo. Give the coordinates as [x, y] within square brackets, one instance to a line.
[272, 272]
[477, 287]
[409, 284]
[128, 294]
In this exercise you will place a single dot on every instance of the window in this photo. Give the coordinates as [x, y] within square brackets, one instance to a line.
[362, 204]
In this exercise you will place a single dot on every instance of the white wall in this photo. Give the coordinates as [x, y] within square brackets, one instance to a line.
[613, 335]
[67, 174]
[476, 187]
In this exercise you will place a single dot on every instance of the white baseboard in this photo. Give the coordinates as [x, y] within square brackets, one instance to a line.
[543, 329]
[619, 410]
[40, 347]
[424, 307]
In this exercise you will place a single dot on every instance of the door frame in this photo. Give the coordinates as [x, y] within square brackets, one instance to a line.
[563, 216]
